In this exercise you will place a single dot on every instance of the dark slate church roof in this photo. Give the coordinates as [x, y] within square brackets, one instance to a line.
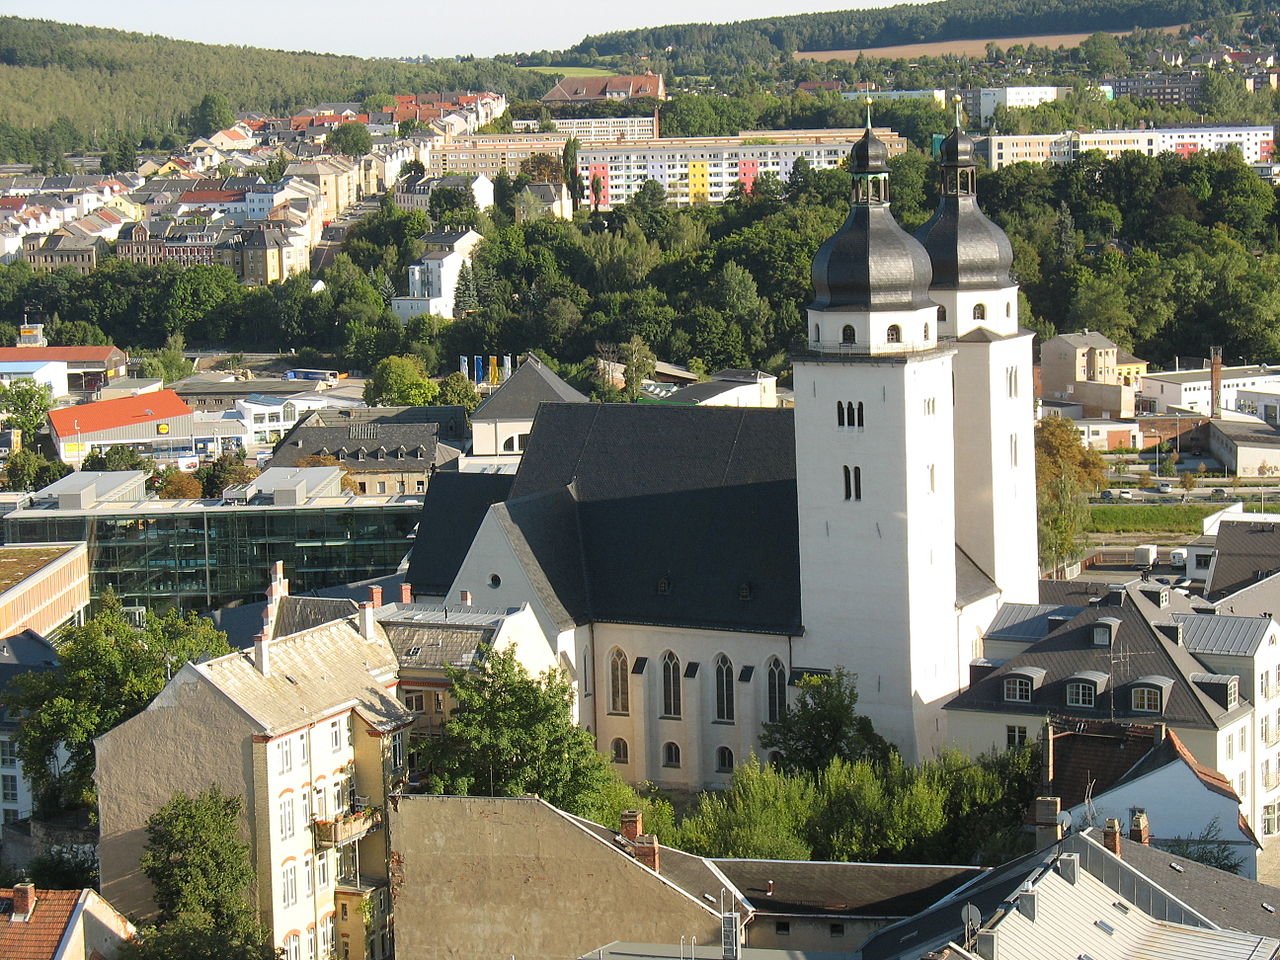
[454, 506]
[672, 515]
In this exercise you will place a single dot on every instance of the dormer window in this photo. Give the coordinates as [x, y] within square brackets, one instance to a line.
[1146, 700]
[1081, 694]
[1104, 631]
[1017, 689]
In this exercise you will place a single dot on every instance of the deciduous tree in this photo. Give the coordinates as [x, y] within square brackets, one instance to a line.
[823, 723]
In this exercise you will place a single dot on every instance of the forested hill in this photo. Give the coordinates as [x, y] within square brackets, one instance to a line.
[754, 40]
[100, 79]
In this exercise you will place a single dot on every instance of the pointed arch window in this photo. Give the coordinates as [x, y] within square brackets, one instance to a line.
[893, 334]
[839, 414]
[724, 760]
[926, 331]
[776, 691]
[619, 679]
[724, 689]
[670, 754]
[848, 334]
[942, 316]
[859, 417]
[848, 483]
[671, 685]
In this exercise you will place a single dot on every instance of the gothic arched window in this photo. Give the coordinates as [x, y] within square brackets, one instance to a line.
[848, 334]
[619, 751]
[671, 754]
[893, 334]
[859, 417]
[724, 689]
[724, 760]
[619, 689]
[776, 691]
[839, 414]
[670, 685]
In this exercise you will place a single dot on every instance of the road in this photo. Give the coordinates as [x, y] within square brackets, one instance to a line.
[330, 244]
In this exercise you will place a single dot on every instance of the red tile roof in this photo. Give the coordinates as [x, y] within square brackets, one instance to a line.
[112, 356]
[122, 412]
[212, 196]
[39, 937]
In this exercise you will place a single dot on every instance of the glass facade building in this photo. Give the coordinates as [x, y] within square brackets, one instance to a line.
[200, 557]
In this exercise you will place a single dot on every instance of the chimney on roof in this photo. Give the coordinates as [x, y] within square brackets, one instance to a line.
[24, 902]
[375, 596]
[1139, 829]
[406, 592]
[1215, 381]
[367, 620]
[1111, 836]
[1048, 830]
[1158, 732]
[645, 849]
[464, 597]
[632, 824]
[277, 587]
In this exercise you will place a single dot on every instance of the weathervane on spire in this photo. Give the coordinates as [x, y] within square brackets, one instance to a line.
[957, 100]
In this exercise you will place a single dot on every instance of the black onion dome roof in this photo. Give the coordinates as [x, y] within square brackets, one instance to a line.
[871, 263]
[869, 155]
[966, 249]
[957, 149]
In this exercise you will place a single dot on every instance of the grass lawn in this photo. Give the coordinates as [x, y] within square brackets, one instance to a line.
[1143, 518]
[571, 71]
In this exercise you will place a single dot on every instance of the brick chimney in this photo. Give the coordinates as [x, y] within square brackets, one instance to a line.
[406, 592]
[1215, 381]
[24, 902]
[1139, 829]
[632, 824]
[1111, 836]
[646, 850]
[375, 596]
[367, 620]
[1048, 830]
[277, 588]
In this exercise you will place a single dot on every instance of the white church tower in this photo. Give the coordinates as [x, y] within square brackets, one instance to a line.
[875, 471]
[994, 443]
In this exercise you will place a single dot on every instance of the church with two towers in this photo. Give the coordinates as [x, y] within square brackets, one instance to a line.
[688, 565]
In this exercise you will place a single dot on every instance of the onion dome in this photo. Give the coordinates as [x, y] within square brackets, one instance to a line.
[871, 262]
[967, 250]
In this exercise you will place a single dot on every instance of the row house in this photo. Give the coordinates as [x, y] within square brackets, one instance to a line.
[307, 731]
[64, 251]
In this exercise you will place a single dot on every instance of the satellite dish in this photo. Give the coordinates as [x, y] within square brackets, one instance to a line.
[1064, 822]
[970, 917]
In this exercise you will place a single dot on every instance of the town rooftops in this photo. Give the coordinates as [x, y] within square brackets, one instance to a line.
[1247, 550]
[1172, 750]
[120, 412]
[530, 385]
[453, 508]
[1223, 634]
[39, 936]
[1088, 758]
[1028, 622]
[1203, 375]
[601, 88]
[1087, 339]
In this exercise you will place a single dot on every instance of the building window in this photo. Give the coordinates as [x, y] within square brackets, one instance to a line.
[1017, 689]
[817, 334]
[1080, 694]
[1269, 824]
[848, 334]
[837, 929]
[619, 683]
[308, 876]
[1013, 449]
[286, 818]
[292, 947]
[417, 702]
[619, 752]
[942, 316]
[724, 760]
[670, 754]
[724, 689]
[893, 334]
[670, 685]
[322, 869]
[926, 331]
[776, 691]
[8, 753]
[284, 753]
[1146, 700]
[782, 928]
[839, 414]
[858, 410]
[1015, 737]
[289, 886]
[439, 701]
[335, 736]
[9, 788]
[979, 311]
[397, 750]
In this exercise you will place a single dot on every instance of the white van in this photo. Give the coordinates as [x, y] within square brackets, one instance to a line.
[1178, 558]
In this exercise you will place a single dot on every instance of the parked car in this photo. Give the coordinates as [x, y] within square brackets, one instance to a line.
[1164, 487]
[1218, 494]
[1126, 494]
[1108, 495]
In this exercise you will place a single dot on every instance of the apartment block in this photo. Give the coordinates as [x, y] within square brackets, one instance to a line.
[698, 170]
[491, 155]
[1255, 143]
[308, 732]
[598, 128]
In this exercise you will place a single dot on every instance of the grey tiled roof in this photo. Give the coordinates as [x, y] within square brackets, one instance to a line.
[1247, 551]
[1028, 622]
[1222, 634]
[531, 384]
[373, 439]
[452, 509]
[436, 646]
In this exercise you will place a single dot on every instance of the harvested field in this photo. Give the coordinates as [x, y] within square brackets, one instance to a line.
[960, 48]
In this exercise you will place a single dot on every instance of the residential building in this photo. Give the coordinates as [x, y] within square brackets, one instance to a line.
[268, 418]
[416, 194]
[1166, 89]
[489, 155]
[544, 200]
[598, 129]
[1104, 435]
[202, 554]
[385, 450]
[697, 170]
[488, 876]
[271, 254]
[88, 368]
[433, 280]
[1255, 143]
[337, 177]
[575, 90]
[60, 925]
[500, 426]
[308, 733]
[988, 99]
[1084, 368]
[871, 454]
[47, 373]
[60, 251]
[153, 242]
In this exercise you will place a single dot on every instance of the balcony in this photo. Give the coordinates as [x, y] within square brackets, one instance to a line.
[348, 827]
